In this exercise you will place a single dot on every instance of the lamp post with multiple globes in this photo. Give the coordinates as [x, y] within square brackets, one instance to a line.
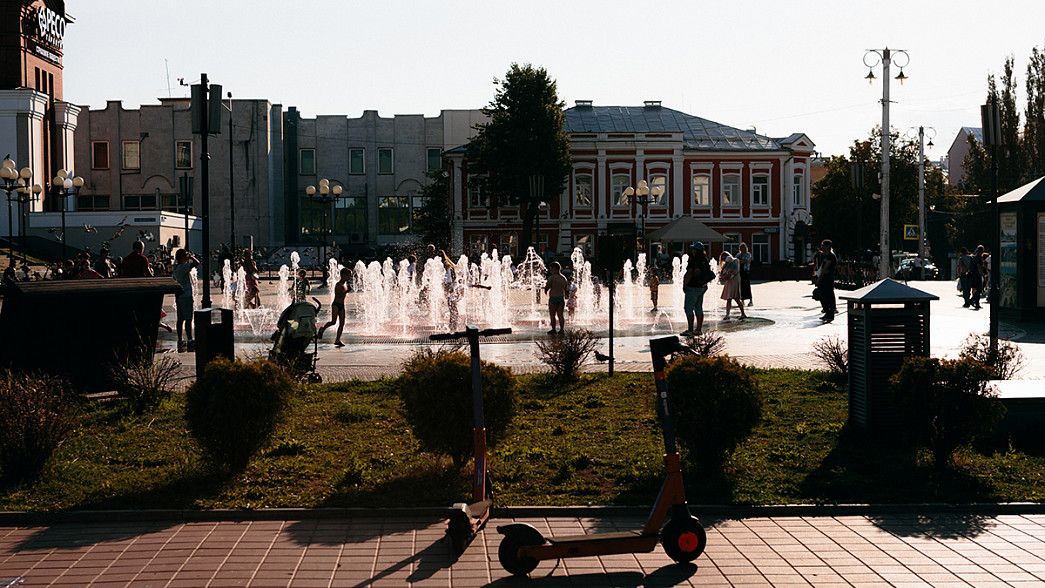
[65, 186]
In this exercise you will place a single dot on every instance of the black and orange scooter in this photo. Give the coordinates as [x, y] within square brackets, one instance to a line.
[467, 519]
[683, 537]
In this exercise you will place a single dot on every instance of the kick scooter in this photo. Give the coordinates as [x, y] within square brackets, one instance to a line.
[467, 519]
[683, 537]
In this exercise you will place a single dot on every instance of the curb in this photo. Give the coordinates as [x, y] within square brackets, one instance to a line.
[713, 512]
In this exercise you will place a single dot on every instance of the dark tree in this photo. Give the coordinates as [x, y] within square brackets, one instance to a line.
[524, 137]
[432, 222]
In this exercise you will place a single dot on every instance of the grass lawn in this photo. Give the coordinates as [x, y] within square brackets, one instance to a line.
[596, 441]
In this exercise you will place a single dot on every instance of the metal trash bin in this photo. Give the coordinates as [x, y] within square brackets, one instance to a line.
[888, 322]
[79, 329]
[212, 328]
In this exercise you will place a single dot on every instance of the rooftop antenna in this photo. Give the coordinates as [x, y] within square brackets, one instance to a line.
[167, 68]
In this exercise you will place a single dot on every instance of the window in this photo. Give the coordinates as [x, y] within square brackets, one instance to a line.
[183, 154]
[760, 190]
[139, 202]
[659, 181]
[585, 243]
[350, 216]
[477, 196]
[509, 244]
[130, 155]
[174, 203]
[701, 190]
[435, 159]
[478, 244]
[384, 161]
[99, 155]
[619, 183]
[393, 215]
[357, 161]
[416, 204]
[731, 189]
[92, 202]
[582, 192]
[307, 165]
[760, 247]
[732, 244]
[796, 191]
[312, 221]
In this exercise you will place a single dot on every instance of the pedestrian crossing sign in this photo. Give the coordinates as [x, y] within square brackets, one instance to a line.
[910, 232]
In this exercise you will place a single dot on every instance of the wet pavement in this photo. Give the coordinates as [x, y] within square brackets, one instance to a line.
[860, 545]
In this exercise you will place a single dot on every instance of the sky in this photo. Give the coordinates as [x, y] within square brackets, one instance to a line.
[777, 67]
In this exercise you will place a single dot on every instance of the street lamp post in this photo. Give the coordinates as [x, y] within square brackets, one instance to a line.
[63, 187]
[871, 58]
[536, 195]
[921, 193]
[232, 183]
[13, 181]
[644, 195]
[327, 194]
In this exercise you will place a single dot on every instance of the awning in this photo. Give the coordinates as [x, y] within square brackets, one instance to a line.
[686, 228]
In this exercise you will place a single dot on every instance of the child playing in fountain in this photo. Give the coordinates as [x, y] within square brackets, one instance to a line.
[654, 288]
[301, 287]
[337, 308]
[183, 264]
[556, 289]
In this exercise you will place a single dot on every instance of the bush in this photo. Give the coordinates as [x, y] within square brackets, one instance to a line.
[566, 353]
[1007, 363]
[834, 353]
[716, 404]
[436, 389]
[945, 404]
[36, 414]
[233, 408]
[706, 343]
[147, 382]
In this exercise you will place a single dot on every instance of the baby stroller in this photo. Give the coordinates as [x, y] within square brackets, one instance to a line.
[295, 329]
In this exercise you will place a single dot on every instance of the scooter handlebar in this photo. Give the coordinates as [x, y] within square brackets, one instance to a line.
[464, 334]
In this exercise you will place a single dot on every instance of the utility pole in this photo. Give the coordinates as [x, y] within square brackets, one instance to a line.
[232, 182]
[206, 119]
[991, 120]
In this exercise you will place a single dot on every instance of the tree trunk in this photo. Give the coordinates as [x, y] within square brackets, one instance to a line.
[526, 239]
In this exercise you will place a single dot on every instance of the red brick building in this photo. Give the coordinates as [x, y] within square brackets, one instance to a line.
[745, 186]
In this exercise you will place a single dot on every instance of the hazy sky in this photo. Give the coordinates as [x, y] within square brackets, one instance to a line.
[781, 67]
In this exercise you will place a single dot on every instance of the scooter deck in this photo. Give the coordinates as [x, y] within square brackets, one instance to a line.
[593, 544]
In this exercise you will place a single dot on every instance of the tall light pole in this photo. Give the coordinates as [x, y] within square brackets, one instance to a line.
[327, 194]
[872, 58]
[13, 181]
[536, 195]
[232, 181]
[644, 195]
[63, 187]
[921, 193]
[990, 116]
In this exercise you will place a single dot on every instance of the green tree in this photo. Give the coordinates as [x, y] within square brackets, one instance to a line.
[432, 221]
[525, 136]
[848, 216]
[1034, 127]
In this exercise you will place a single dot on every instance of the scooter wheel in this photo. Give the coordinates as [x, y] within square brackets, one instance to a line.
[511, 561]
[683, 539]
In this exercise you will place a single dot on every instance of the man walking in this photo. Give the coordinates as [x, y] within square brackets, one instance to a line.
[965, 276]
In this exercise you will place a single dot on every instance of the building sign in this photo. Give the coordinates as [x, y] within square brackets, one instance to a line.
[50, 26]
[1007, 271]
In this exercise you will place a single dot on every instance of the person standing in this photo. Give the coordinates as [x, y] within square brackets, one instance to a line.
[694, 286]
[654, 288]
[745, 258]
[104, 266]
[965, 276]
[976, 277]
[183, 264]
[252, 292]
[556, 286]
[301, 288]
[825, 281]
[337, 308]
[135, 264]
[729, 275]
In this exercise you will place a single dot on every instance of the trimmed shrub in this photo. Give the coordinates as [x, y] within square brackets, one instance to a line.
[716, 404]
[36, 414]
[1007, 363]
[945, 403]
[705, 343]
[566, 353]
[833, 352]
[147, 382]
[233, 408]
[436, 389]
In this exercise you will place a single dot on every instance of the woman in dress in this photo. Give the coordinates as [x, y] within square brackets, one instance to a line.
[729, 275]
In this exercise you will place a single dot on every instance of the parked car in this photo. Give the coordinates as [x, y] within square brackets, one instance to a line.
[907, 269]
